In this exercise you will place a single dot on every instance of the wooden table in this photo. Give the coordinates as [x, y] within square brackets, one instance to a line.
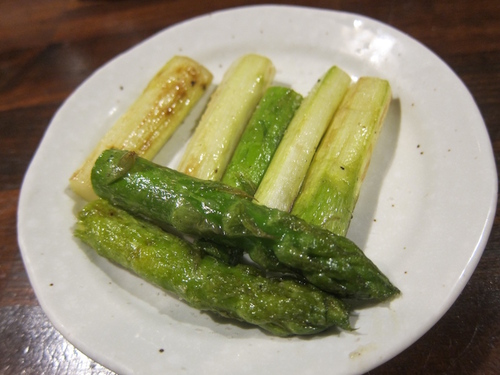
[47, 48]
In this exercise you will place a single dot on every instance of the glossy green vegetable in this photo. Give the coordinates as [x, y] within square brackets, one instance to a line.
[261, 138]
[283, 307]
[331, 188]
[216, 212]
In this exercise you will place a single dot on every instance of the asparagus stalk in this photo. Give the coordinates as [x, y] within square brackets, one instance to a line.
[283, 178]
[261, 138]
[152, 119]
[332, 185]
[214, 211]
[255, 150]
[283, 307]
[212, 145]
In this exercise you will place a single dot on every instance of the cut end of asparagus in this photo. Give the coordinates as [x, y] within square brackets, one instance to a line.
[152, 119]
[215, 138]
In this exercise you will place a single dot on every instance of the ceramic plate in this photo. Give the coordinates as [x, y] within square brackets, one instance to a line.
[424, 214]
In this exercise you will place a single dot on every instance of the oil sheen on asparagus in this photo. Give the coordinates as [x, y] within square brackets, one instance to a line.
[217, 134]
[152, 119]
[333, 182]
[216, 212]
[261, 137]
[287, 169]
[256, 149]
[283, 307]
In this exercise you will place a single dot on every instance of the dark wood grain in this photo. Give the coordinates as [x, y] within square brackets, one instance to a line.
[49, 47]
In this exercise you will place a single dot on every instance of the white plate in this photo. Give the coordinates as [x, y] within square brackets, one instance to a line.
[424, 215]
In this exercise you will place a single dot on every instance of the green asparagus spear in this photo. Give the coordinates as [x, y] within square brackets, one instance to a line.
[215, 138]
[261, 138]
[281, 182]
[217, 212]
[283, 307]
[333, 182]
[255, 150]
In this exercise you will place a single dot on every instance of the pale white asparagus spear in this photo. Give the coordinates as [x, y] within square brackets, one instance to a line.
[283, 178]
[333, 182]
[211, 147]
[152, 119]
